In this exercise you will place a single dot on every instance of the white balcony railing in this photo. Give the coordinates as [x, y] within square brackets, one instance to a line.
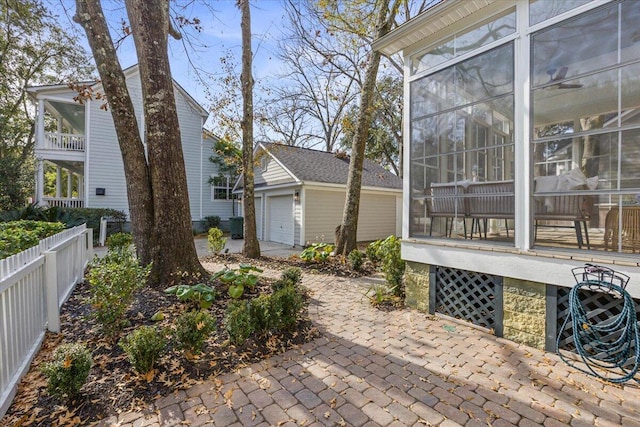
[63, 202]
[63, 141]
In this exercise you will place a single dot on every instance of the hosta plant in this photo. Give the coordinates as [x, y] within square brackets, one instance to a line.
[238, 279]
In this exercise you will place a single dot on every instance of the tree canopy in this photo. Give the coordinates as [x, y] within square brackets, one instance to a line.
[34, 50]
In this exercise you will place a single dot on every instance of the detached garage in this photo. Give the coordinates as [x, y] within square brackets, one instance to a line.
[300, 192]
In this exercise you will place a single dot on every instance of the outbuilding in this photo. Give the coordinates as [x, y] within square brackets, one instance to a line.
[300, 195]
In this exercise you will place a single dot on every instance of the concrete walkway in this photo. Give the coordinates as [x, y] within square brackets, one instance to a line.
[234, 246]
[400, 368]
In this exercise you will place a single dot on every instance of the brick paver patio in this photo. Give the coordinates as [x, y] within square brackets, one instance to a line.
[400, 368]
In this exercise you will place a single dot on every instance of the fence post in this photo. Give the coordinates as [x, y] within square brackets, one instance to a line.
[51, 287]
[80, 253]
[89, 243]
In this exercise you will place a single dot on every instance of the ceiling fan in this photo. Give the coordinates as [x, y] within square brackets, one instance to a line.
[560, 76]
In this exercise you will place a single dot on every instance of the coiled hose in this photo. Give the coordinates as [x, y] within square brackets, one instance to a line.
[609, 345]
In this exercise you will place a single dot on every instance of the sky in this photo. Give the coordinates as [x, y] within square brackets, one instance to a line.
[220, 22]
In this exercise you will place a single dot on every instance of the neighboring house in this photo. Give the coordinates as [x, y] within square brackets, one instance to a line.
[522, 157]
[79, 141]
[300, 195]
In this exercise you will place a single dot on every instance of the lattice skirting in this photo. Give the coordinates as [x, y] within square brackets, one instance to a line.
[600, 306]
[470, 296]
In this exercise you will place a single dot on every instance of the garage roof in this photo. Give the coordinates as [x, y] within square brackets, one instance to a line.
[308, 165]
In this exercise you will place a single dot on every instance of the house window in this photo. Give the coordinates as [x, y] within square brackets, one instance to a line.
[462, 149]
[585, 142]
[221, 188]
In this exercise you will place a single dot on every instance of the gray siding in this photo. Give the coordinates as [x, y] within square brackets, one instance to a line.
[221, 208]
[195, 154]
[323, 213]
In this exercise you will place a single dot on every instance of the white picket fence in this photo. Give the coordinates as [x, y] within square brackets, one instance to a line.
[33, 286]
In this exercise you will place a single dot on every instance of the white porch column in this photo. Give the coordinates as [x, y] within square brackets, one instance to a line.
[39, 182]
[81, 187]
[69, 184]
[58, 179]
[40, 125]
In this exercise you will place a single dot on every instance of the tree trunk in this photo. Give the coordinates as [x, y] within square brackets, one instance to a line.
[346, 234]
[251, 248]
[174, 252]
[139, 193]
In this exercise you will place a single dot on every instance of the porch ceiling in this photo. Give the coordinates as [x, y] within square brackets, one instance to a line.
[72, 113]
[75, 167]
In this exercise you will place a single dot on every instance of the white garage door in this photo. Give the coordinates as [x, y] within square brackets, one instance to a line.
[281, 219]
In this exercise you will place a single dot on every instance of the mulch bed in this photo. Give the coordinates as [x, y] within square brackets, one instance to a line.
[113, 387]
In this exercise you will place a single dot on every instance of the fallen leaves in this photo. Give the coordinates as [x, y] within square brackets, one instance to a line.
[113, 387]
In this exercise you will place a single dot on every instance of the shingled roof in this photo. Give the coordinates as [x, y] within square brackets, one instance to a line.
[309, 165]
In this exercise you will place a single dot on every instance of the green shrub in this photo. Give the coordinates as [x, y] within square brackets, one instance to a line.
[143, 347]
[317, 252]
[68, 216]
[68, 371]
[286, 305]
[113, 280]
[17, 236]
[372, 251]
[200, 296]
[119, 241]
[216, 240]
[392, 264]
[212, 221]
[237, 322]
[290, 277]
[192, 330]
[356, 259]
[277, 311]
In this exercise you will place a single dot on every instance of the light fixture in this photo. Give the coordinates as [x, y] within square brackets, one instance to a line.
[296, 196]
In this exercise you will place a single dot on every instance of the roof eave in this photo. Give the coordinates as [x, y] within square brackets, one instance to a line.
[418, 28]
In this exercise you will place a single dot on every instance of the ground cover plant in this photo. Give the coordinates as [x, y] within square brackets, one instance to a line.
[159, 343]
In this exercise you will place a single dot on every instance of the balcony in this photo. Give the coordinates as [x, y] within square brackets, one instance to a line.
[64, 141]
[63, 202]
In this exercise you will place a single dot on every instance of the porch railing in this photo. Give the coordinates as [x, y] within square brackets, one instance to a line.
[63, 141]
[63, 202]
[33, 286]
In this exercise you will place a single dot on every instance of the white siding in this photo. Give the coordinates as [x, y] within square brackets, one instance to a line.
[297, 222]
[105, 167]
[104, 163]
[275, 174]
[323, 213]
[259, 215]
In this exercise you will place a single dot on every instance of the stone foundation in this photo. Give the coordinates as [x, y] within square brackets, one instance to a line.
[416, 284]
[524, 312]
[524, 304]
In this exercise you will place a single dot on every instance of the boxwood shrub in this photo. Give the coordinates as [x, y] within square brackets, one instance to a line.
[17, 236]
